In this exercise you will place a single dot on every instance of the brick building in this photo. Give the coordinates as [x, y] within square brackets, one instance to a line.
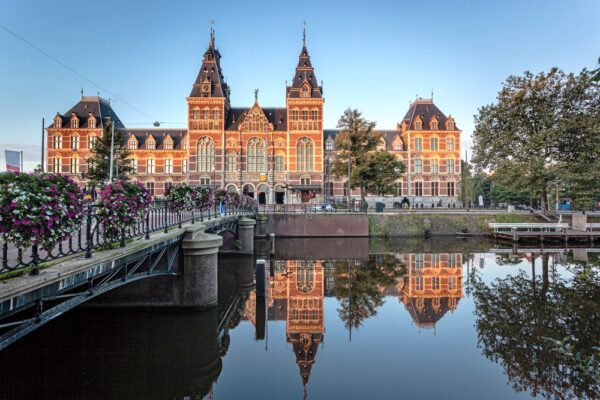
[227, 146]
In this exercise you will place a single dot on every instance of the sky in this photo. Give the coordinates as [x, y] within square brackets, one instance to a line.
[375, 56]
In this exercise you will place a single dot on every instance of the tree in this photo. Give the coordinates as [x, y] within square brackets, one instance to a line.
[354, 142]
[542, 131]
[379, 172]
[99, 160]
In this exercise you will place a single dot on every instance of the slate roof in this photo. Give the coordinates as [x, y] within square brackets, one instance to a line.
[159, 135]
[99, 107]
[276, 116]
[428, 316]
[388, 135]
[211, 71]
[426, 109]
[304, 73]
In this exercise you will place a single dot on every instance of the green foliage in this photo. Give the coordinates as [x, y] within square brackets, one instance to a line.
[379, 172]
[99, 160]
[543, 129]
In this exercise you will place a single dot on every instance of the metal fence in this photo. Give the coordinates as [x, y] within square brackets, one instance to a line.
[95, 234]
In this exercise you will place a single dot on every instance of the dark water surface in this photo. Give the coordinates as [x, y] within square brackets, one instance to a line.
[339, 319]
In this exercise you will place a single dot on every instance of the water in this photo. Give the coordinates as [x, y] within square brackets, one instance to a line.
[348, 319]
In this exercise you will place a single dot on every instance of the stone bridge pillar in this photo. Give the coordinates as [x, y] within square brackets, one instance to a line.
[262, 221]
[246, 234]
[200, 257]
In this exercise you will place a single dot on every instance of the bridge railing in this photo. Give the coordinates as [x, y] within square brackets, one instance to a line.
[94, 234]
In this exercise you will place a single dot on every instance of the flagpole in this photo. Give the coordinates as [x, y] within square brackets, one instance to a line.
[43, 143]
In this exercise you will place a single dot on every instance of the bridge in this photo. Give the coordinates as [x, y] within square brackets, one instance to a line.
[181, 258]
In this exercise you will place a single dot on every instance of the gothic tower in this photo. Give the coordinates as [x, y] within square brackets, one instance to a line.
[208, 105]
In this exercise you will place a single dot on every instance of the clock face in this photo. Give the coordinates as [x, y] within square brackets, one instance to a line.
[205, 88]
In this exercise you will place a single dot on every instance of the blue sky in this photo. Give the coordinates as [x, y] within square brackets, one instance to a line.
[375, 56]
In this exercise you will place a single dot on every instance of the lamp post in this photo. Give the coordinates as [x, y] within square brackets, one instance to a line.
[349, 172]
[112, 150]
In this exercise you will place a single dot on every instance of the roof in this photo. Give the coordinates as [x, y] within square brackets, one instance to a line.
[305, 74]
[159, 135]
[276, 116]
[429, 315]
[211, 73]
[389, 135]
[426, 109]
[97, 106]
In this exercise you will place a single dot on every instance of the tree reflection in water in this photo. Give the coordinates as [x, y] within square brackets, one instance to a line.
[515, 314]
[359, 286]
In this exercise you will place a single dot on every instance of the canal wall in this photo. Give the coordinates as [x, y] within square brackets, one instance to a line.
[318, 225]
[438, 224]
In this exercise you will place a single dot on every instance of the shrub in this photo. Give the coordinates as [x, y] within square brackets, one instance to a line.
[39, 209]
[121, 204]
[180, 197]
[202, 197]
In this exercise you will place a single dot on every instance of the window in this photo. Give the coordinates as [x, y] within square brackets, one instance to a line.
[74, 123]
[74, 165]
[231, 162]
[150, 166]
[184, 166]
[216, 114]
[435, 165]
[150, 187]
[134, 165]
[305, 180]
[418, 125]
[195, 114]
[398, 189]
[450, 188]
[305, 91]
[57, 140]
[397, 145]
[452, 283]
[256, 155]
[168, 186]
[418, 165]
[418, 143]
[435, 260]
[418, 261]
[58, 122]
[450, 126]
[435, 283]
[184, 145]
[449, 143]
[74, 142]
[56, 165]
[279, 162]
[133, 144]
[329, 145]
[305, 154]
[168, 145]
[92, 141]
[168, 166]
[205, 181]
[150, 144]
[434, 125]
[206, 114]
[314, 115]
[419, 283]
[452, 260]
[304, 115]
[433, 143]
[92, 123]
[294, 115]
[206, 154]
[435, 189]
[450, 165]
[418, 188]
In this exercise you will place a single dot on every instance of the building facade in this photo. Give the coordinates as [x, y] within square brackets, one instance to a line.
[275, 154]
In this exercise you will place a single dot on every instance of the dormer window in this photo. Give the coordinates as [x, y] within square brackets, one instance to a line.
[418, 125]
[397, 145]
[184, 145]
[305, 91]
[434, 125]
[150, 144]
[168, 145]
[329, 145]
[450, 125]
[75, 123]
[58, 122]
[133, 144]
[91, 121]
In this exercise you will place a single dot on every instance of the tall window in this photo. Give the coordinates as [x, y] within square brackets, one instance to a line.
[184, 166]
[184, 144]
[56, 165]
[216, 114]
[398, 188]
[279, 162]
[168, 166]
[435, 190]
[92, 123]
[435, 283]
[205, 114]
[150, 187]
[314, 115]
[433, 143]
[419, 261]
[418, 188]
[294, 115]
[449, 143]
[195, 114]
[304, 115]
[75, 123]
[452, 283]
[305, 154]
[418, 143]
[418, 165]
[256, 155]
[134, 165]
[435, 165]
[450, 165]
[74, 165]
[150, 166]
[434, 125]
[206, 154]
[419, 283]
[92, 141]
[232, 161]
[74, 142]
[57, 140]
[451, 260]
[450, 187]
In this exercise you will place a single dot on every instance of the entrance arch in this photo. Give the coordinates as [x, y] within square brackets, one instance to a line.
[248, 190]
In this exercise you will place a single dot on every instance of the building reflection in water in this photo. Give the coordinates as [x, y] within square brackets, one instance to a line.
[429, 285]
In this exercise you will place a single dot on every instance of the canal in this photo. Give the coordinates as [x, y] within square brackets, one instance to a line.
[336, 319]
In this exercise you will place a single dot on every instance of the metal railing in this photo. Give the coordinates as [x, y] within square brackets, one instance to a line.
[95, 234]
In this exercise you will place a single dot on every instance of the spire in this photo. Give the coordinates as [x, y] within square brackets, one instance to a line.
[256, 95]
[304, 35]
[305, 82]
[211, 43]
[210, 81]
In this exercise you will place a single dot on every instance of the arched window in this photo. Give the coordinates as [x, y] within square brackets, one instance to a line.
[305, 91]
[434, 142]
[57, 142]
[418, 143]
[418, 165]
[256, 155]
[206, 154]
[305, 276]
[232, 161]
[196, 114]
[74, 165]
[450, 165]
[74, 142]
[280, 161]
[435, 165]
[305, 150]
[450, 143]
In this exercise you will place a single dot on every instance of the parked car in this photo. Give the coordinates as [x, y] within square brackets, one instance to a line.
[322, 208]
